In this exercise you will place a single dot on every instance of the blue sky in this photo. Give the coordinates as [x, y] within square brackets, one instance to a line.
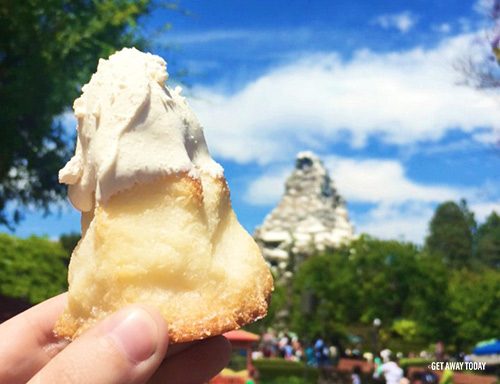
[369, 86]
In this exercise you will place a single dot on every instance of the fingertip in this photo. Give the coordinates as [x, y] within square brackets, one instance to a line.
[225, 349]
[128, 346]
[209, 356]
[139, 332]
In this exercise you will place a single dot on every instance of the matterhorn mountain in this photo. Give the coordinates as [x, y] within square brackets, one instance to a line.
[310, 218]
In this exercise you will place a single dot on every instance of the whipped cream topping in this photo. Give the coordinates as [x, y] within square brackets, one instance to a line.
[132, 128]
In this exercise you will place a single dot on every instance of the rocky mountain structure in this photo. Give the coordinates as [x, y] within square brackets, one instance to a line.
[311, 217]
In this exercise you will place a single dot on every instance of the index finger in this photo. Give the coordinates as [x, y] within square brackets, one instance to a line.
[27, 341]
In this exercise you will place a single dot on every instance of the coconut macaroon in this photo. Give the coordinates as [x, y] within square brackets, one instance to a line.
[157, 222]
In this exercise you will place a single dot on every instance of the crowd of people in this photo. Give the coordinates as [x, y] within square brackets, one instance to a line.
[317, 353]
[289, 346]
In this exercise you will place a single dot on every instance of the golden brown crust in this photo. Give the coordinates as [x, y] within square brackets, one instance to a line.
[117, 264]
[181, 331]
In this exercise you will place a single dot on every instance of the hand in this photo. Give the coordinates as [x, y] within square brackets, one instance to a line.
[128, 347]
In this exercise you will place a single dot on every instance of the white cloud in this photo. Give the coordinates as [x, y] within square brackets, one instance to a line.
[383, 181]
[208, 36]
[387, 221]
[400, 207]
[403, 207]
[360, 181]
[483, 7]
[410, 221]
[267, 188]
[400, 97]
[483, 209]
[465, 24]
[442, 28]
[403, 21]
[220, 35]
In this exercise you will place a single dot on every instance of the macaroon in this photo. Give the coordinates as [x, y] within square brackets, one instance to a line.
[158, 227]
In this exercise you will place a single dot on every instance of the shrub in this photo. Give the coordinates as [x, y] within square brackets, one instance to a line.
[414, 362]
[278, 371]
[32, 269]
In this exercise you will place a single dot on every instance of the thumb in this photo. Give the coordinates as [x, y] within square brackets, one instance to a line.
[127, 347]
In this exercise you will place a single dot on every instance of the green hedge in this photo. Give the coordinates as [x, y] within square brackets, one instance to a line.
[32, 269]
[414, 362]
[279, 371]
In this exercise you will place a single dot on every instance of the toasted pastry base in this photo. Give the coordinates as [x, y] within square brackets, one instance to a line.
[174, 244]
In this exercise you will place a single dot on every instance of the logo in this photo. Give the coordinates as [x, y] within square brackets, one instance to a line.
[457, 366]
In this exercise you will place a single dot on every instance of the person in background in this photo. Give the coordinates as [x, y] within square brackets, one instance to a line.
[284, 341]
[377, 374]
[356, 375]
[391, 371]
[288, 352]
[385, 354]
[429, 377]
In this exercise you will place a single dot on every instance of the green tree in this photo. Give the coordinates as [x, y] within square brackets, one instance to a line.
[334, 287]
[48, 49]
[429, 299]
[357, 283]
[33, 269]
[69, 242]
[488, 241]
[451, 234]
[474, 306]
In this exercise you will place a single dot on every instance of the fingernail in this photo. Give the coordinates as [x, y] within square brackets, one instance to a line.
[136, 334]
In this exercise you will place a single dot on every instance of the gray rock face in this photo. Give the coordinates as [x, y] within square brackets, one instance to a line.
[310, 218]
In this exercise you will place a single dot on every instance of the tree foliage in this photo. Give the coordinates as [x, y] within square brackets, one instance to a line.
[357, 283]
[488, 241]
[415, 293]
[48, 50]
[474, 306]
[451, 233]
[33, 269]
[69, 242]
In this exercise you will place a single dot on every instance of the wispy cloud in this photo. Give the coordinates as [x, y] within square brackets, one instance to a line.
[483, 209]
[385, 181]
[399, 207]
[483, 7]
[377, 181]
[407, 222]
[403, 21]
[257, 35]
[441, 28]
[267, 189]
[399, 97]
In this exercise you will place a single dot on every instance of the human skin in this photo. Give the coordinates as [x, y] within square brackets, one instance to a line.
[131, 346]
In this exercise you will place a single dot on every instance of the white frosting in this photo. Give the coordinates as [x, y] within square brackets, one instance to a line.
[132, 129]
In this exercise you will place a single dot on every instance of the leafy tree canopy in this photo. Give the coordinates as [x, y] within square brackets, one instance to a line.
[451, 232]
[48, 49]
[488, 241]
[474, 306]
[33, 269]
[415, 293]
[69, 242]
[365, 280]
